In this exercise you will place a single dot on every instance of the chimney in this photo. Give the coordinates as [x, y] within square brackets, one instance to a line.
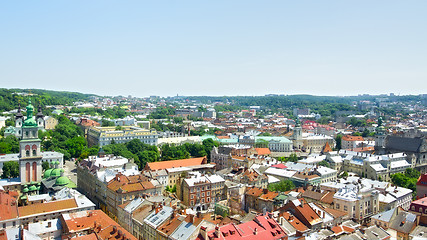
[191, 218]
[255, 231]
[114, 229]
[204, 233]
[217, 231]
[265, 191]
[119, 234]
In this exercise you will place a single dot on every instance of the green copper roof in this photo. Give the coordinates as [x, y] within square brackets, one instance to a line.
[55, 172]
[30, 122]
[32, 188]
[33, 183]
[47, 173]
[25, 190]
[62, 181]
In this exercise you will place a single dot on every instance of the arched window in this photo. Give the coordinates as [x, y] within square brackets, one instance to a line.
[27, 171]
[27, 153]
[34, 171]
[34, 152]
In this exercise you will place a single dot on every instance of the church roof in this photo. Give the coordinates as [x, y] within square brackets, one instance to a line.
[403, 144]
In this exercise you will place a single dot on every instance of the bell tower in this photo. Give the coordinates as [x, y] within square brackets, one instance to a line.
[30, 156]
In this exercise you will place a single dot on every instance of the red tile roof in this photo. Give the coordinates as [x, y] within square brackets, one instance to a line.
[176, 163]
[352, 138]
[263, 151]
[47, 207]
[280, 165]
[93, 220]
[8, 206]
[262, 227]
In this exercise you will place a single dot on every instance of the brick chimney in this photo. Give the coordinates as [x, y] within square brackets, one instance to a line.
[204, 232]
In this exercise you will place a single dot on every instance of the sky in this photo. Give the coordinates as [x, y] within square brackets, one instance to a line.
[215, 48]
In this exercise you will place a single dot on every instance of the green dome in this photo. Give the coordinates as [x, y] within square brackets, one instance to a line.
[56, 172]
[25, 190]
[62, 181]
[30, 122]
[47, 173]
[32, 188]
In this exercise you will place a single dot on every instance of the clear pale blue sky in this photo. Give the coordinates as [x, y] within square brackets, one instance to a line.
[227, 47]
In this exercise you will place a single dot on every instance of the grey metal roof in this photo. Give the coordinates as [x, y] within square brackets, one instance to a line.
[403, 144]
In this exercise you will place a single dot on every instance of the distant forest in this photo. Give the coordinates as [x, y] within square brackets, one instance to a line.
[10, 100]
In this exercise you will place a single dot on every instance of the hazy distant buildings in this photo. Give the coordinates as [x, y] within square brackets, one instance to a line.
[106, 135]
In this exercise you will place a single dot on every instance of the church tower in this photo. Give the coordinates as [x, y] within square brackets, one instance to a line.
[19, 120]
[297, 136]
[30, 156]
[40, 118]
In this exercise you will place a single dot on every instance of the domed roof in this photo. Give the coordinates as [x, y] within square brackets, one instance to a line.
[62, 181]
[47, 173]
[32, 188]
[25, 190]
[30, 122]
[56, 172]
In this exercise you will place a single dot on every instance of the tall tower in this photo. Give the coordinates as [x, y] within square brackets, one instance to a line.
[380, 137]
[40, 118]
[30, 157]
[19, 120]
[297, 135]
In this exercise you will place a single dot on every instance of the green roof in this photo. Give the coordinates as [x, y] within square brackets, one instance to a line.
[62, 181]
[33, 183]
[23, 197]
[47, 173]
[32, 188]
[268, 139]
[56, 172]
[25, 190]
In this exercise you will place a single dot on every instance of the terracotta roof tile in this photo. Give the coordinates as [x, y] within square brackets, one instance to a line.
[8, 206]
[263, 151]
[176, 163]
[47, 207]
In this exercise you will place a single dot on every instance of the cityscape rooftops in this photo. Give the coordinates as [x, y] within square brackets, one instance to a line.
[176, 163]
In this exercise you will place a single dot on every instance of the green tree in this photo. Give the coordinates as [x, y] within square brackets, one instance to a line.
[45, 165]
[344, 174]
[107, 123]
[338, 140]
[282, 186]
[324, 163]
[10, 169]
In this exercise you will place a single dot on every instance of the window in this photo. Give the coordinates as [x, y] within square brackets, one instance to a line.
[34, 152]
[27, 153]
[209, 193]
[338, 206]
[345, 207]
[192, 202]
[192, 196]
[203, 194]
[203, 200]
[208, 200]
